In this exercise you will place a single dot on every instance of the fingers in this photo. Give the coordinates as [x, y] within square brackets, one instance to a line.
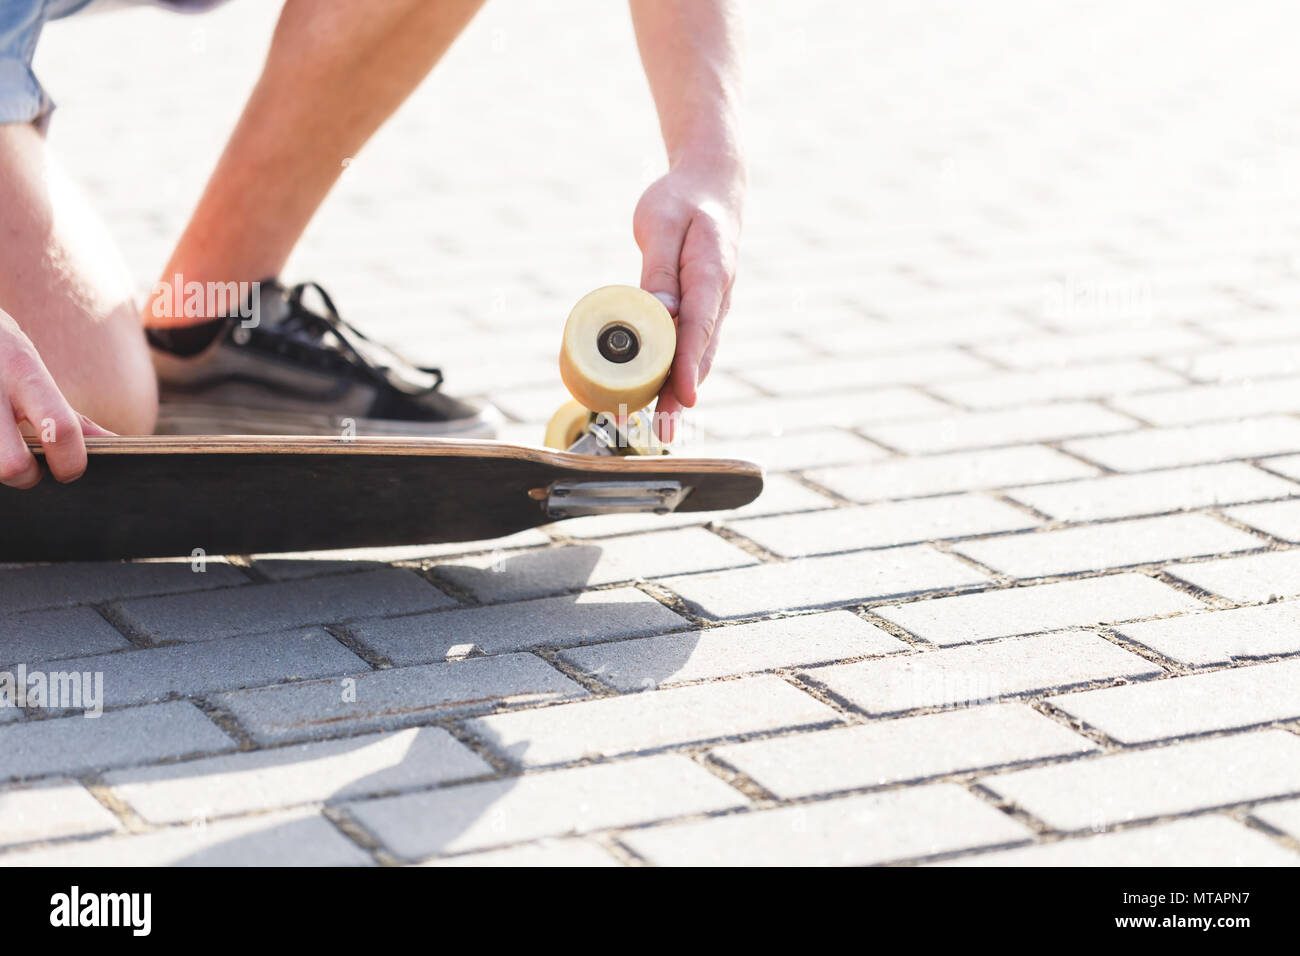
[18, 466]
[56, 426]
[661, 250]
[668, 411]
[92, 430]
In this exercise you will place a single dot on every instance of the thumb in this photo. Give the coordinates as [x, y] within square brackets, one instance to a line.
[90, 430]
[660, 252]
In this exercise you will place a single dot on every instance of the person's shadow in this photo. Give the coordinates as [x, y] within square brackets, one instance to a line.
[509, 578]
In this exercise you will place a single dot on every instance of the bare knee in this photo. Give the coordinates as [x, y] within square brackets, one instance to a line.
[64, 283]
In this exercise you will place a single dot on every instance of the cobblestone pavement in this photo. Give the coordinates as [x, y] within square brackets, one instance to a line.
[1015, 335]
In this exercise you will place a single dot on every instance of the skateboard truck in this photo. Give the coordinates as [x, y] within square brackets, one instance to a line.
[572, 499]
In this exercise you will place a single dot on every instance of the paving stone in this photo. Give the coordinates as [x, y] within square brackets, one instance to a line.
[1206, 403]
[1104, 380]
[140, 734]
[781, 494]
[942, 474]
[907, 368]
[274, 607]
[300, 838]
[883, 524]
[1117, 545]
[1254, 578]
[1197, 704]
[543, 853]
[1221, 636]
[513, 576]
[1200, 841]
[1019, 426]
[51, 810]
[1163, 781]
[1237, 364]
[790, 452]
[820, 582]
[910, 748]
[310, 564]
[728, 651]
[573, 801]
[649, 721]
[1171, 447]
[396, 697]
[1281, 519]
[775, 416]
[559, 621]
[140, 676]
[980, 672]
[48, 635]
[1071, 349]
[1288, 465]
[323, 772]
[1044, 607]
[59, 585]
[1284, 816]
[1123, 496]
[872, 828]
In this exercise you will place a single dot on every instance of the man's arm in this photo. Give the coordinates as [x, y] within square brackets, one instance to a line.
[688, 222]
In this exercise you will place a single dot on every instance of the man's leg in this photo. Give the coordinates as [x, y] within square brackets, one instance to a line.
[65, 284]
[335, 71]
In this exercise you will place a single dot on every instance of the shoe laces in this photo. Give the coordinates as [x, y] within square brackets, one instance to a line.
[328, 330]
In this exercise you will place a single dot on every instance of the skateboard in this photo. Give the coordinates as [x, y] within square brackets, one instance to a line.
[165, 496]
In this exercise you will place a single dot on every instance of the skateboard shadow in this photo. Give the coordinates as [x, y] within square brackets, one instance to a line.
[596, 638]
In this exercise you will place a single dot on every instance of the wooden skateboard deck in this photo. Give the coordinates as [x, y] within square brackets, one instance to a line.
[172, 496]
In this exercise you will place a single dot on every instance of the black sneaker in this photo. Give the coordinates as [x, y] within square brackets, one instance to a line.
[300, 372]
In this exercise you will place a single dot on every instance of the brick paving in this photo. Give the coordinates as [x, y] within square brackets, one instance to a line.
[1014, 335]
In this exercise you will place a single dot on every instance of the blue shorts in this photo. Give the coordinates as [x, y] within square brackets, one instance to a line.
[22, 98]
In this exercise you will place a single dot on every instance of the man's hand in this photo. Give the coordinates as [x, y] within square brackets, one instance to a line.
[688, 222]
[687, 225]
[29, 396]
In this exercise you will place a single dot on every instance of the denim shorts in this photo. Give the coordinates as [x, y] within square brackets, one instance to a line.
[22, 98]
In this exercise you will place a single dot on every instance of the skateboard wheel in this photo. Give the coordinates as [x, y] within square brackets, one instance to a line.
[618, 345]
[567, 425]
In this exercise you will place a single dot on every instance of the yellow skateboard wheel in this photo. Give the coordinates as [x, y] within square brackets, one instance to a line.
[567, 425]
[618, 345]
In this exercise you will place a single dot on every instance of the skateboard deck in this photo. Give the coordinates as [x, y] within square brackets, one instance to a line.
[168, 496]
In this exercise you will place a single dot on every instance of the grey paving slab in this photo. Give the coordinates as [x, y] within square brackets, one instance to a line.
[1198, 841]
[140, 676]
[118, 738]
[397, 697]
[318, 772]
[1195, 704]
[1044, 607]
[512, 576]
[981, 672]
[883, 525]
[1144, 784]
[819, 582]
[273, 607]
[559, 621]
[911, 748]
[580, 800]
[50, 810]
[47, 635]
[649, 662]
[648, 721]
[874, 828]
[300, 838]
[59, 585]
